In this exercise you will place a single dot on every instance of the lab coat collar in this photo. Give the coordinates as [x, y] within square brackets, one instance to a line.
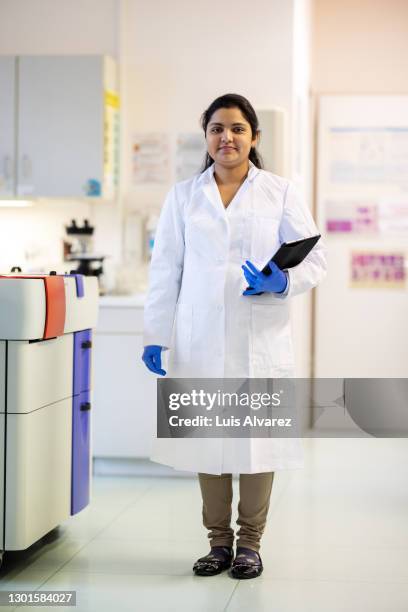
[207, 175]
[210, 188]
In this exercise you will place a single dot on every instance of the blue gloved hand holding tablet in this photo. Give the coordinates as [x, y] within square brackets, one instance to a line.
[259, 282]
[271, 278]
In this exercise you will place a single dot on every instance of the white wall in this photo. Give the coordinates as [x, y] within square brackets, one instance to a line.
[173, 66]
[359, 48]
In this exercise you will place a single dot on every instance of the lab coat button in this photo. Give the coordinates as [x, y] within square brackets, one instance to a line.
[219, 307]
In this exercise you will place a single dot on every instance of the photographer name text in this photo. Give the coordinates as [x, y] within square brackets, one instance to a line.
[217, 421]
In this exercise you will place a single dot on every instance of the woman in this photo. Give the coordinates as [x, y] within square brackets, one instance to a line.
[198, 306]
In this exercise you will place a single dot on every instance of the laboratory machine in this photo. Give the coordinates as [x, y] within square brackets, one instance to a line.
[45, 402]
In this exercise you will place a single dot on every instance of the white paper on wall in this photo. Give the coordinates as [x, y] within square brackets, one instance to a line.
[150, 158]
[363, 155]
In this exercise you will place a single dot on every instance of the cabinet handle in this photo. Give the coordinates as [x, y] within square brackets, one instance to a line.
[86, 344]
[85, 406]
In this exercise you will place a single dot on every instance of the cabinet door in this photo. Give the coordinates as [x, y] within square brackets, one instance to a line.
[37, 473]
[124, 405]
[39, 373]
[60, 125]
[7, 115]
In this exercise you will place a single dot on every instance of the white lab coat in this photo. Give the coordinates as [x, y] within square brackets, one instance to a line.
[196, 309]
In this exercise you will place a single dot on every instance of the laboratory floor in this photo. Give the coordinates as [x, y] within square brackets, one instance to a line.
[336, 539]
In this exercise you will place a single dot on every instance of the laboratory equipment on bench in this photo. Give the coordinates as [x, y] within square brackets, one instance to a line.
[80, 238]
[78, 247]
[45, 402]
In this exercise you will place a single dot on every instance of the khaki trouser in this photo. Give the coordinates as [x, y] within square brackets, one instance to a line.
[254, 492]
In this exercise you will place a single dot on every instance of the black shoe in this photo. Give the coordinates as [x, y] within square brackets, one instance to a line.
[218, 560]
[247, 564]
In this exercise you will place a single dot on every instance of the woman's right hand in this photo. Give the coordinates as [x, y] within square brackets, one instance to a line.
[152, 358]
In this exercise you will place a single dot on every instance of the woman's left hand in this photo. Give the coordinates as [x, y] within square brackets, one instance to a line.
[275, 282]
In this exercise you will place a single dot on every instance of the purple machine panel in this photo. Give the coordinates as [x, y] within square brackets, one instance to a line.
[80, 484]
[82, 361]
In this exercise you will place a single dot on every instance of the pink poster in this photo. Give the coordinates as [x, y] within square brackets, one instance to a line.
[347, 217]
[378, 270]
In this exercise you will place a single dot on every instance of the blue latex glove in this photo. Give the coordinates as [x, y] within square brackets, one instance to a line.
[152, 358]
[275, 282]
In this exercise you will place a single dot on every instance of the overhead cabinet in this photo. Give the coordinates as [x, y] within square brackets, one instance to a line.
[59, 126]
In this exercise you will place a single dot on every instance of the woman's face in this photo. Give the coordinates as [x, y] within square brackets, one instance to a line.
[229, 137]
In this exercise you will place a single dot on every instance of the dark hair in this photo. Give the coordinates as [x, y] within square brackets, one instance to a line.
[232, 101]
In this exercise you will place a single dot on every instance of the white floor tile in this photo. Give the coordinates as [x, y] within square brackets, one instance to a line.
[310, 563]
[265, 595]
[166, 557]
[173, 510]
[24, 578]
[92, 520]
[50, 552]
[129, 592]
[120, 489]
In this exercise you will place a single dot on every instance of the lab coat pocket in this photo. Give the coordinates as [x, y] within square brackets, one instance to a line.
[182, 333]
[271, 336]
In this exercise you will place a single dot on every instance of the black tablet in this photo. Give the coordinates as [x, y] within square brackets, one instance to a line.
[290, 254]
